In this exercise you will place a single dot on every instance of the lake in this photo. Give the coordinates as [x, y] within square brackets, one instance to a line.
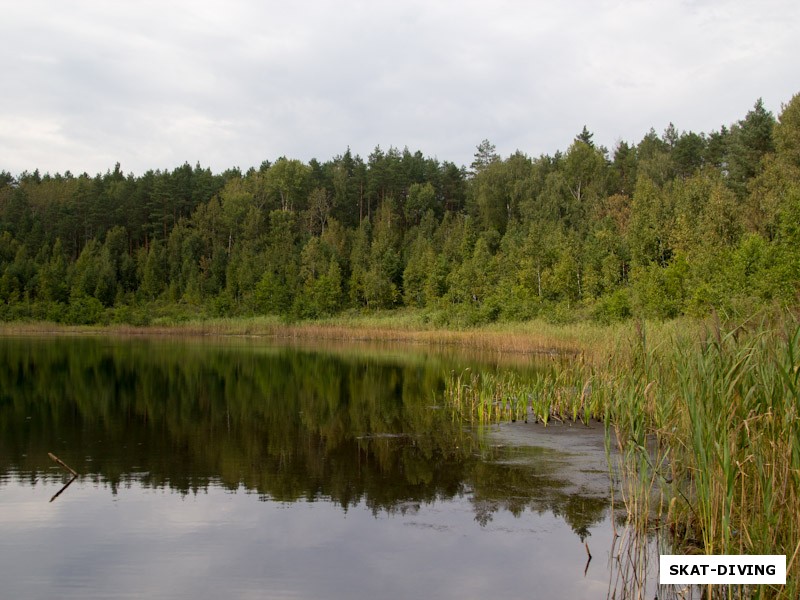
[244, 468]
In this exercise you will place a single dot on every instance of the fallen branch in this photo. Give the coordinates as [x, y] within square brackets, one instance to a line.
[62, 463]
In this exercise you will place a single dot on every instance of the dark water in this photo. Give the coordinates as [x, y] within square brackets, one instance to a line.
[242, 469]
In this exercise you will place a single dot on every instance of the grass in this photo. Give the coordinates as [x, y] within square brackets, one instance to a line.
[706, 421]
[406, 326]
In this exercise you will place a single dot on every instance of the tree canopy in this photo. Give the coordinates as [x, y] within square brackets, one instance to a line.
[677, 223]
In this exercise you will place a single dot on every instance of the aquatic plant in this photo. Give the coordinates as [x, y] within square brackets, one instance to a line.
[705, 431]
[485, 397]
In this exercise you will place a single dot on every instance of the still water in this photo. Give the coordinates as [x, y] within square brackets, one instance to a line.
[244, 469]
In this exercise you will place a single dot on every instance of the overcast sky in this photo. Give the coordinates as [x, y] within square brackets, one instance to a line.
[156, 84]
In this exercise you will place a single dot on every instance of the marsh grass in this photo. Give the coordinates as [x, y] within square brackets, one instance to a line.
[411, 327]
[706, 432]
[485, 397]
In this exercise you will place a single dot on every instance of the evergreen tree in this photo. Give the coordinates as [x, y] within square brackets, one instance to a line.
[750, 140]
[485, 155]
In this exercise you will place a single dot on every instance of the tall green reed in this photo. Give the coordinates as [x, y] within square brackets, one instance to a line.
[705, 428]
[721, 416]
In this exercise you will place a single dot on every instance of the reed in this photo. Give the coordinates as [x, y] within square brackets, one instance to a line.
[533, 337]
[720, 415]
[485, 398]
[705, 428]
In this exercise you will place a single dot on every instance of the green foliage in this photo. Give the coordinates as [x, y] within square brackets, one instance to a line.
[84, 310]
[421, 198]
[287, 184]
[138, 316]
[53, 283]
[614, 307]
[321, 282]
[677, 224]
[421, 267]
[660, 292]
[750, 140]
[153, 271]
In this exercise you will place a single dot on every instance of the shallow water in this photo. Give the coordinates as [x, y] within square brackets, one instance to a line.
[245, 469]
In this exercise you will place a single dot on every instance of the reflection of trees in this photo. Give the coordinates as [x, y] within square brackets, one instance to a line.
[580, 512]
[284, 423]
[531, 484]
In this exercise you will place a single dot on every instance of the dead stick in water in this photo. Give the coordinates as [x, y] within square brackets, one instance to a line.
[587, 550]
[62, 463]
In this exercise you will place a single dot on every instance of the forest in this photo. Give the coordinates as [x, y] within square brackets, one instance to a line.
[680, 223]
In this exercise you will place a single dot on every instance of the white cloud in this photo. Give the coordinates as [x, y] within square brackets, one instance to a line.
[153, 85]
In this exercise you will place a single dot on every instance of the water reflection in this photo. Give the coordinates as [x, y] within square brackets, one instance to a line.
[219, 544]
[288, 424]
[355, 432]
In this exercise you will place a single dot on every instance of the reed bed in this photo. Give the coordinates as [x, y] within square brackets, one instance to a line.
[488, 398]
[536, 337]
[485, 397]
[705, 427]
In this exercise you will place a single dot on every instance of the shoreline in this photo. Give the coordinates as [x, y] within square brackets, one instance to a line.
[527, 338]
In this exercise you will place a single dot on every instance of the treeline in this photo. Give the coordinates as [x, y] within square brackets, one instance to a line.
[679, 223]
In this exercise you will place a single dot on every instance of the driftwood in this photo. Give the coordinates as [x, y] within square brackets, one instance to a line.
[63, 464]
